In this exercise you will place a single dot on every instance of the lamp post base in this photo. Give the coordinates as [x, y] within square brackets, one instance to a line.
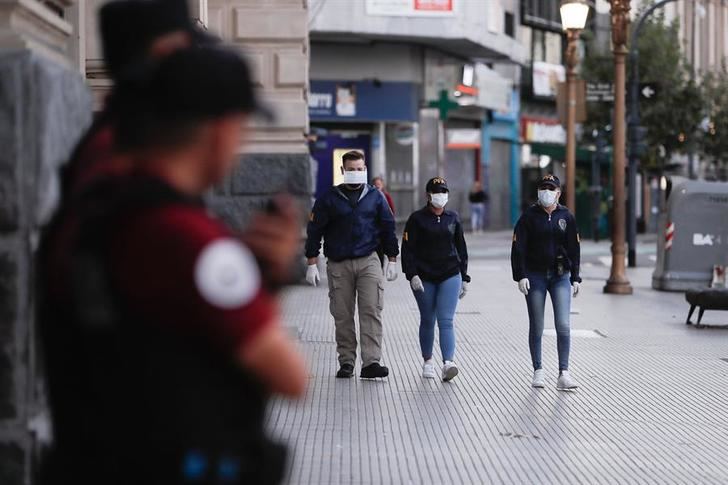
[618, 286]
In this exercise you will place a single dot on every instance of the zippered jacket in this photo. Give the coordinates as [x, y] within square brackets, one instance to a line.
[433, 247]
[542, 242]
[351, 229]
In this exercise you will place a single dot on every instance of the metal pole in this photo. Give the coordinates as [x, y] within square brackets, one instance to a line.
[634, 122]
[618, 282]
[596, 185]
[571, 61]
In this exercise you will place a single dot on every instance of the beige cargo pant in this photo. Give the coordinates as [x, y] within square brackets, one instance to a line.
[351, 281]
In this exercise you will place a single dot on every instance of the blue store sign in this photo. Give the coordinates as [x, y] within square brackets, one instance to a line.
[362, 101]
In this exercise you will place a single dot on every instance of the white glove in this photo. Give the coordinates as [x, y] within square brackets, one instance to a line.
[524, 285]
[312, 275]
[463, 290]
[416, 284]
[391, 271]
[575, 286]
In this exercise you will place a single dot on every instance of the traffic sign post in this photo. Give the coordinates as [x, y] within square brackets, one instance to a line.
[649, 91]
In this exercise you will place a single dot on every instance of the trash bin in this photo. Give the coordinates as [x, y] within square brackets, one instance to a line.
[694, 236]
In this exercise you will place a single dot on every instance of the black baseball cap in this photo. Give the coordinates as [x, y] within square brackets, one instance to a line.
[129, 27]
[550, 182]
[196, 83]
[436, 185]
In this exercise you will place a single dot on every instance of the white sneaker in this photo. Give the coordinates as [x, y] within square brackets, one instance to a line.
[538, 379]
[449, 371]
[566, 382]
[428, 369]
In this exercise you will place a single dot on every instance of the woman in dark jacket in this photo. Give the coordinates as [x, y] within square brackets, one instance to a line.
[435, 261]
[545, 259]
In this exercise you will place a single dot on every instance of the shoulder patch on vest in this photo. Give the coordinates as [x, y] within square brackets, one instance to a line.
[226, 274]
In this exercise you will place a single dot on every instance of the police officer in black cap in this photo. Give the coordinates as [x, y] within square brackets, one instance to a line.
[162, 344]
[545, 258]
[435, 261]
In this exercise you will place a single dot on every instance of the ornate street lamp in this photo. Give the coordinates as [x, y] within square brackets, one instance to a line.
[574, 14]
[618, 283]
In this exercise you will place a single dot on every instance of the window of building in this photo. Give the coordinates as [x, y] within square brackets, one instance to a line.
[543, 14]
[510, 24]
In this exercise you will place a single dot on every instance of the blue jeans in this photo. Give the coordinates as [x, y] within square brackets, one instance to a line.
[438, 302]
[559, 287]
[477, 215]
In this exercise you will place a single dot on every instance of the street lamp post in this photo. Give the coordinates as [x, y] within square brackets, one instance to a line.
[618, 283]
[573, 18]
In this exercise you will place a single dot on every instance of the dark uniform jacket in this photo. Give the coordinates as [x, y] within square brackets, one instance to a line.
[543, 242]
[351, 229]
[433, 247]
[141, 362]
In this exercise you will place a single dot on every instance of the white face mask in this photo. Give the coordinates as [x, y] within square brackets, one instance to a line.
[547, 198]
[355, 177]
[438, 200]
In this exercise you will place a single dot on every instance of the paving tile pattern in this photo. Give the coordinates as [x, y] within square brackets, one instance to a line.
[652, 407]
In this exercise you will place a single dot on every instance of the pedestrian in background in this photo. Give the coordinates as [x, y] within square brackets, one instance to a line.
[477, 198]
[378, 182]
[545, 258]
[162, 344]
[435, 261]
[353, 218]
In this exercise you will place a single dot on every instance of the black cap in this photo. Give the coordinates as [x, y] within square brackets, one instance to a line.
[187, 87]
[436, 185]
[550, 182]
[196, 83]
[129, 27]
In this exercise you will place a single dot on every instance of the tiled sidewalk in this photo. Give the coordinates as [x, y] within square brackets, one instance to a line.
[652, 407]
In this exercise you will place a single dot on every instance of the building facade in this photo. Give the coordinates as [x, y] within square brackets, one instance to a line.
[414, 85]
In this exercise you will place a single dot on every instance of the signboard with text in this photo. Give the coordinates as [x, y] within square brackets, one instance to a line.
[542, 130]
[546, 79]
[362, 101]
[411, 8]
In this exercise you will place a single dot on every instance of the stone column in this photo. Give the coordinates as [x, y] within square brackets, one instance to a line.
[273, 34]
[44, 106]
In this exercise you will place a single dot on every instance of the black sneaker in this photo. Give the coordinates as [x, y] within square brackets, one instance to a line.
[346, 371]
[373, 371]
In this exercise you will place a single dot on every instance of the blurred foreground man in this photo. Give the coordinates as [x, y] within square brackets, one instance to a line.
[353, 218]
[132, 32]
[161, 343]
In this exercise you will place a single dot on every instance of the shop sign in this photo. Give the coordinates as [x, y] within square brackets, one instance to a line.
[463, 138]
[494, 91]
[543, 131]
[411, 8]
[362, 101]
[546, 79]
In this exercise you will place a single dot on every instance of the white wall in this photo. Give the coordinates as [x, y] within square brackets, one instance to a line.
[470, 22]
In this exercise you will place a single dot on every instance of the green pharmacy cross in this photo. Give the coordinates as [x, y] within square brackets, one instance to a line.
[443, 104]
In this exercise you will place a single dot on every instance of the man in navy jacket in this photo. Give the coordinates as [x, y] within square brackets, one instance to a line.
[354, 219]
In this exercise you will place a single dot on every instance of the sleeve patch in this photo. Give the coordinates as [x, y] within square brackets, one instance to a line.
[311, 217]
[226, 274]
[514, 237]
[406, 236]
[578, 238]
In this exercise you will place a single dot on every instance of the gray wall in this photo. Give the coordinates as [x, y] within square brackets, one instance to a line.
[383, 61]
[43, 110]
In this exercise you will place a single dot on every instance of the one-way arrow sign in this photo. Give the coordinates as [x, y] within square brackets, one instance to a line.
[649, 91]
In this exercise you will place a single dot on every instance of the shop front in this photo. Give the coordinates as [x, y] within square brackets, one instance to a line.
[377, 118]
